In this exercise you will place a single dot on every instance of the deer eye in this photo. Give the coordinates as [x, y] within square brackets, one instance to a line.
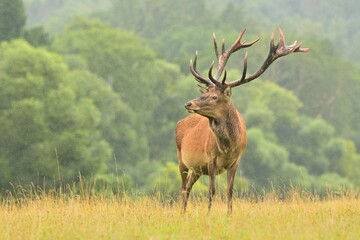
[214, 97]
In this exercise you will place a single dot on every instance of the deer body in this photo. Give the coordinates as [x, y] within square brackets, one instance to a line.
[222, 140]
[212, 140]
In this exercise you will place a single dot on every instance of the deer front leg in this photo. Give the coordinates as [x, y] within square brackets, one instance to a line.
[191, 178]
[230, 184]
[211, 171]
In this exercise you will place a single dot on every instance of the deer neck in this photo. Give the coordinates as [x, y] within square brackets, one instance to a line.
[226, 128]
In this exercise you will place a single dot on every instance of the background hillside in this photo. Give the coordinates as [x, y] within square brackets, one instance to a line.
[96, 87]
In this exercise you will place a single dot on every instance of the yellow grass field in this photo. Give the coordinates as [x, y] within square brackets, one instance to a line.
[49, 216]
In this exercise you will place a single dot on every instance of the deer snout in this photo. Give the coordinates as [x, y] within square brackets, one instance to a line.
[188, 104]
[191, 107]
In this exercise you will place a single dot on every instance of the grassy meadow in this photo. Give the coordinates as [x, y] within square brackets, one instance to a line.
[84, 214]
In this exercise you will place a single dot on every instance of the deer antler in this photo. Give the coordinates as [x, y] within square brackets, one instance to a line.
[197, 75]
[222, 60]
[225, 55]
[275, 52]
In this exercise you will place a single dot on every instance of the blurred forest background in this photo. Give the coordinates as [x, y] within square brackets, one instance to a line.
[95, 88]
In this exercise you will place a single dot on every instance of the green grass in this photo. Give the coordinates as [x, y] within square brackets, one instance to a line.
[70, 214]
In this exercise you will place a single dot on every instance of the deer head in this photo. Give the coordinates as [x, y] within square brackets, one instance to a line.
[217, 93]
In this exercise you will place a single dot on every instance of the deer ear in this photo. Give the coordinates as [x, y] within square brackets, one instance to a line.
[227, 91]
[203, 89]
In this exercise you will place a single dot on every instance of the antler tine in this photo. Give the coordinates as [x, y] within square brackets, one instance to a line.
[223, 46]
[284, 50]
[245, 67]
[275, 52]
[215, 46]
[298, 48]
[224, 78]
[241, 80]
[212, 79]
[272, 41]
[239, 45]
[197, 75]
[225, 55]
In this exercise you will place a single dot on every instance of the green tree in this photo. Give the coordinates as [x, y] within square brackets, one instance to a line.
[125, 64]
[120, 58]
[166, 179]
[150, 87]
[151, 18]
[286, 147]
[54, 15]
[36, 36]
[118, 124]
[48, 118]
[12, 19]
[267, 164]
[325, 83]
[309, 148]
[122, 62]
[344, 158]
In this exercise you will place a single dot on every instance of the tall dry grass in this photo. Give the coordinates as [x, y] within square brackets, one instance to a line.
[83, 211]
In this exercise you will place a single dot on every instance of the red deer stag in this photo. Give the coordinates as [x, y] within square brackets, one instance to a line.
[213, 140]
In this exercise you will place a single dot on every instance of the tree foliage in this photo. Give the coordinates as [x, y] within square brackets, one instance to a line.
[12, 19]
[277, 130]
[132, 71]
[47, 122]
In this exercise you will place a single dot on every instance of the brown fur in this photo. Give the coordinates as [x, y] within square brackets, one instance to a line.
[210, 142]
